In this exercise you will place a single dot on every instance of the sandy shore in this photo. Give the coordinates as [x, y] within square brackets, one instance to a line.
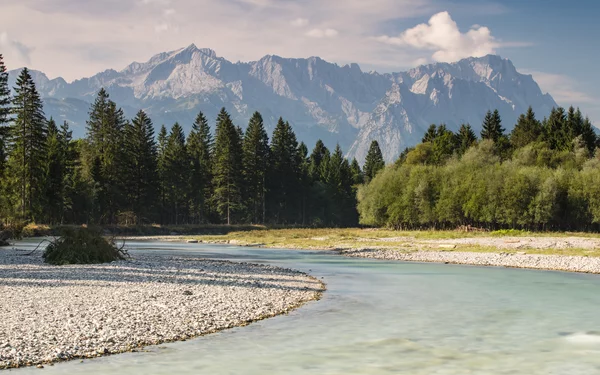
[51, 314]
[501, 259]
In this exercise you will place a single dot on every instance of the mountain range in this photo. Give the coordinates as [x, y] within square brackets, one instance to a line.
[322, 100]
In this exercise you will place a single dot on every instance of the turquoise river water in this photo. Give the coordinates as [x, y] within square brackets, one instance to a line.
[383, 317]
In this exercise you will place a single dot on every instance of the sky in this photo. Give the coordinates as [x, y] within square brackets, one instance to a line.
[554, 40]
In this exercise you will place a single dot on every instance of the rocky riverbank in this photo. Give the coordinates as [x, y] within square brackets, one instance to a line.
[500, 259]
[51, 313]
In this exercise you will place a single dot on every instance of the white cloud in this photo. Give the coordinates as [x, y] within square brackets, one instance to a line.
[442, 35]
[299, 22]
[169, 12]
[562, 88]
[161, 28]
[322, 33]
[18, 53]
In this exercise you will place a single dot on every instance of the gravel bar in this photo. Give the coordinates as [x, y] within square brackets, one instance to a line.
[50, 314]
[522, 260]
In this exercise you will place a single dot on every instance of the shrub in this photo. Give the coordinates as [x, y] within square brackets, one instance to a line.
[83, 246]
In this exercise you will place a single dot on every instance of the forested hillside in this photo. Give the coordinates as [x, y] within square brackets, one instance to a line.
[544, 175]
[121, 173]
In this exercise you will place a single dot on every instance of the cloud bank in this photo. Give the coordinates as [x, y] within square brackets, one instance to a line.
[442, 35]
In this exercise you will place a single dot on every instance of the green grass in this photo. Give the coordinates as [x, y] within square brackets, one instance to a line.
[385, 239]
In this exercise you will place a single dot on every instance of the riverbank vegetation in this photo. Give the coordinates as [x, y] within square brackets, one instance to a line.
[544, 175]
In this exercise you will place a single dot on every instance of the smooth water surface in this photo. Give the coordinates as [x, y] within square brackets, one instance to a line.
[381, 317]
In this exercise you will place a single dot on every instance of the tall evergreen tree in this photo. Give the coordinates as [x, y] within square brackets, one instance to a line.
[318, 162]
[227, 169]
[492, 126]
[162, 172]
[106, 137]
[28, 147]
[342, 195]
[430, 134]
[465, 138]
[589, 136]
[176, 174]
[256, 161]
[285, 168]
[4, 115]
[55, 175]
[555, 131]
[528, 129]
[357, 175]
[141, 167]
[374, 162]
[200, 148]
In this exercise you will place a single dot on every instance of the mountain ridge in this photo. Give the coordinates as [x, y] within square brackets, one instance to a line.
[340, 104]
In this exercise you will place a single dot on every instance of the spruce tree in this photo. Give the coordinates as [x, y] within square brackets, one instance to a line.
[555, 130]
[256, 161]
[527, 130]
[357, 175]
[177, 175]
[284, 191]
[465, 138]
[200, 148]
[374, 162]
[28, 148]
[74, 187]
[141, 167]
[4, 115]
[588, 135]
[162, 173]
[55, 175]
[430, 134]
[318, 160]
[106, 139]
[492, 126]
[342, 194]
[227, 169]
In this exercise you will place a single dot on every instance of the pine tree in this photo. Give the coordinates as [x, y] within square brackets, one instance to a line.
[357, 175]
[588, 135]
[106, 138]
[200, 148]
[555, 130]
[256, 161]
[4, 115]
[141, 166]
[74, 187]
[227, 169]
[492, 126]
[162, 172]
[374, 162]
[28, 147]
[176, 173]
[284, 190]
[342, 194]
[319, 158]
[465, 138]
[527, 130]
[430, 134]
[55, 175]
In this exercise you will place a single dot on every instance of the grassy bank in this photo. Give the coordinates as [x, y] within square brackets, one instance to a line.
[554, 243]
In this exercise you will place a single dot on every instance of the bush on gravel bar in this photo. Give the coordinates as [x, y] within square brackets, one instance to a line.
[82, 246]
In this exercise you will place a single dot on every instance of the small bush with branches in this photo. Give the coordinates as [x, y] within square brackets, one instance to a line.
[83, 246]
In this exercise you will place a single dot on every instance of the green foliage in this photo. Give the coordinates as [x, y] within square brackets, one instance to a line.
[373, 162]
[82, 246]
[27, 151]
[200, 149]
[465, 138]
[284, 201]
[255, 165]
[492, 126]
[527, 130]
[227, 169]
[141, 168]
[176, 168]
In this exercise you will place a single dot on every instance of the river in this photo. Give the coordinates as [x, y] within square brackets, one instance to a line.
[383, 317]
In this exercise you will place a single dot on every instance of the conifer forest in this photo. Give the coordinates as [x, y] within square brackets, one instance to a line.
[542, 175]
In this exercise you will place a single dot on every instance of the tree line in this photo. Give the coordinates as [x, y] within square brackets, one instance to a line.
[543, 175]
[122, 173]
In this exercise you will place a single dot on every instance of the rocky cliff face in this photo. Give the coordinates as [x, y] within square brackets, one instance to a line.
[339, 104]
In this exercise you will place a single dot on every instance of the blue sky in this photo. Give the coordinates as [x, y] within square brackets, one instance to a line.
[554, 40]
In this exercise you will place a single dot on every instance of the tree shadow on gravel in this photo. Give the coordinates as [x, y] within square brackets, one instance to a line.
[217, 273]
